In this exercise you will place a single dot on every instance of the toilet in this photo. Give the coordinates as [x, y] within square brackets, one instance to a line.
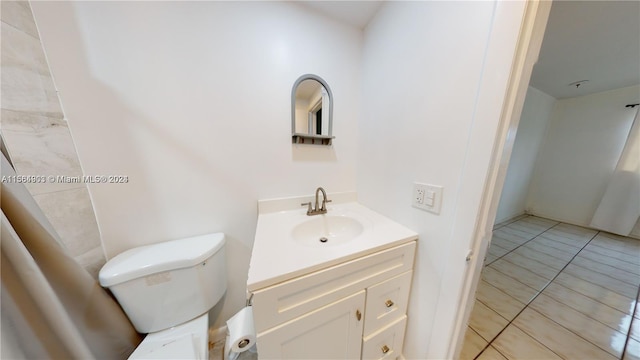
[167, 290]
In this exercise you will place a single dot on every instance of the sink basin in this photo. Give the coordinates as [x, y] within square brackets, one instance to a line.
[327, 230]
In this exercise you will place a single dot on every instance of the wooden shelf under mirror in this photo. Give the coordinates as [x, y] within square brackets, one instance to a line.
[298, 138]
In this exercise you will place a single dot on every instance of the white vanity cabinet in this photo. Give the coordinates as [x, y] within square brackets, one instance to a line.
[351, 310]
[331, 332]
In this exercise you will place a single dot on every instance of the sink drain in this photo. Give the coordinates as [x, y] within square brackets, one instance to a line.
[323, 239]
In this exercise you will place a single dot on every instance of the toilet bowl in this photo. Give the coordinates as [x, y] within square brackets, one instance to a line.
[167, 290]
[185, 341]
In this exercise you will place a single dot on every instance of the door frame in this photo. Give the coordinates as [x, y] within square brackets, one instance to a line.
[534, 22]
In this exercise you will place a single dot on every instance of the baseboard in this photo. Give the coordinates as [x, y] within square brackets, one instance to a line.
[559, 219]
[509, 220]
[575, 223]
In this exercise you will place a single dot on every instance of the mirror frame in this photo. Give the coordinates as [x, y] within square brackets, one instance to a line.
[301, 138]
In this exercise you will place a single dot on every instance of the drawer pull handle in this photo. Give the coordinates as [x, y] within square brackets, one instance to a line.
[358, 315]
[388, 303]
[385, 349]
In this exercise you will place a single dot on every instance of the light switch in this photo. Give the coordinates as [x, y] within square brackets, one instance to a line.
[428, 201]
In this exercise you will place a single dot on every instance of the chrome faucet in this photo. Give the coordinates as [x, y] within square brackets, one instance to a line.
[319, 209]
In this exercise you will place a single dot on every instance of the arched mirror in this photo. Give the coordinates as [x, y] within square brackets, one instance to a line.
[311, 111]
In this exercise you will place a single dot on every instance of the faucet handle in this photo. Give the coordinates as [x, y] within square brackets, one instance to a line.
[308, 205]
[324, 204]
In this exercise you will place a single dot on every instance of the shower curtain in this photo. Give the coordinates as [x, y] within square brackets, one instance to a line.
[619, 208]
[51, 308]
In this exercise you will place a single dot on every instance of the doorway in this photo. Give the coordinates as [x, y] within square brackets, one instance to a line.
[546, 251]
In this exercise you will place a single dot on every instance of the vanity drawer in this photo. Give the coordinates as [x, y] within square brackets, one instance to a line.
[387, 302]
[385, 343]
[285, 301]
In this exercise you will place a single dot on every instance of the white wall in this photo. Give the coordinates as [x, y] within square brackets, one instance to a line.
[302, 116]
[430, 116]
[530, 133]
[191, 101]
[584, 140]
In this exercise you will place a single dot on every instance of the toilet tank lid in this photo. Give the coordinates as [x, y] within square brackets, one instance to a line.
[151, 259]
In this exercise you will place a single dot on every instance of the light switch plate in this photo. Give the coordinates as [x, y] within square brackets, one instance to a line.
[427, 197]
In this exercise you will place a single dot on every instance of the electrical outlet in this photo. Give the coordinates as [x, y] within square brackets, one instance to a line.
[418, 195]
[419, 191]
[427, 197]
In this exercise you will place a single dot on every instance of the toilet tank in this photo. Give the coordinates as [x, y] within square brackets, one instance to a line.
[169, 283]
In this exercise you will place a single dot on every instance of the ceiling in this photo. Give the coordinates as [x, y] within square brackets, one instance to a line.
[597, 41]
[307, 88]
[355, 13]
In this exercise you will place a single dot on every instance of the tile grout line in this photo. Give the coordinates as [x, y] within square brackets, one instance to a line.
[547, 245]
[21, 30]
[544, 254]
[525, 305]
[635, 308]
[614, 250]
[600, 285]
[607, 275]
[575, 333]
[511, 221]
[497, 245]
[505, 293]
[538, 294]
[535, 296]
[613, 266]
[611, 257]
[609, 248]
[579, 251]
[521, 245]
[512, 277]
[590, 298]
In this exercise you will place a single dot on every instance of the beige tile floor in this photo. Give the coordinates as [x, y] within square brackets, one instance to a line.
[551, 290]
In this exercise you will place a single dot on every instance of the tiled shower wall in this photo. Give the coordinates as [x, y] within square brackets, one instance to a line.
[37, 136]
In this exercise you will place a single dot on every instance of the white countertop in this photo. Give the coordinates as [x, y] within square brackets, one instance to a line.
[277, 257]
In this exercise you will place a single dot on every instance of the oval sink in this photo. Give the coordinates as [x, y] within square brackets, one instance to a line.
[327, 230]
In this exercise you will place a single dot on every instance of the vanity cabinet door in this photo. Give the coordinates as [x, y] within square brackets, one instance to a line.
[333, 331]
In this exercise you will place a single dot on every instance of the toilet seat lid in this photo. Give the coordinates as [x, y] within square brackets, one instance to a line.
[156, 258]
